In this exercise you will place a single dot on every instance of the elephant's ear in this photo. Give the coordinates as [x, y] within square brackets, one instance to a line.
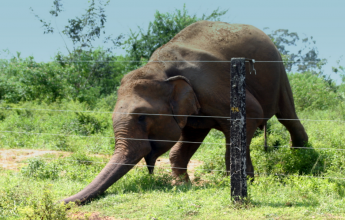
[183, 99]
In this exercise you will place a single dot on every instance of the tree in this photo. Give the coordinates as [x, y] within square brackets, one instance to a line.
[83, 30]
[306, 59]
[140, 45]
[341, 71]
[96, 72]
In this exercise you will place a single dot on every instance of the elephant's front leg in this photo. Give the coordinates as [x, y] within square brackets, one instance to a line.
[182, 151]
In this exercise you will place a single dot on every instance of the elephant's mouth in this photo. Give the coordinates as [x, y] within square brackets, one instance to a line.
[152, 156]
[157, 149]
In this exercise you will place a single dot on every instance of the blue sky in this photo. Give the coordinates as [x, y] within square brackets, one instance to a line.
[324, 20]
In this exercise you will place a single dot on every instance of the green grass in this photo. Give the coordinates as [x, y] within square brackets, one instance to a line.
[301, 194]
[139, 195]
[55, 130]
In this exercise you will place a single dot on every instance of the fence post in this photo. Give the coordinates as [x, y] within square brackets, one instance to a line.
[238, 129]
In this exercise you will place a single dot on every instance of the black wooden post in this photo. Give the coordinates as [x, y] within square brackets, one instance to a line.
[238, 131]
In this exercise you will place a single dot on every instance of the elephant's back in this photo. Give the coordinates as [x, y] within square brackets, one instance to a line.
[218, 41]
[221, 39]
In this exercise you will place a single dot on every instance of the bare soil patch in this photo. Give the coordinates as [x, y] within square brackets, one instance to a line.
[11, 158]
[164, 163]
[89, 216]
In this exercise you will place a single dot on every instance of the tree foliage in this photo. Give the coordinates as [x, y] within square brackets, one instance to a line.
[141, 44]
[85, 29]
[26, 80]
[312, 92]
[307, 57]
[341, 71]
[88, 72]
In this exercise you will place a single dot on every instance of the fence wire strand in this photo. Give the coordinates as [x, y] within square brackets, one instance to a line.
[177, 61]
[202, 169]
[171, 115]
[170, 141]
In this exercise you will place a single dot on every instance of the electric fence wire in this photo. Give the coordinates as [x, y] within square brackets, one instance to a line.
[176, 61]
[201, 169]
[171, 115]
[170, 141]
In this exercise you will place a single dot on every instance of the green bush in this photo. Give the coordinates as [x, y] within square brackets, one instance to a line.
[85, 76]
[40, 169]
[312, 92]
[90, 124]
[24, 80]
[77, 167]
[107, 103]
[46, 208]
[9, 201]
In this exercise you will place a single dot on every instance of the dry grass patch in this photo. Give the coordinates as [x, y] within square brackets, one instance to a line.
[164, 163]
[12, 158]
[89, 216]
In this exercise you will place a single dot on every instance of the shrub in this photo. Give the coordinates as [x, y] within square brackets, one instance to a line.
[38, 168]
[85, 76]
[312, 92]
[9, 201]
[87, 124]
[23, 80]
[46, 208]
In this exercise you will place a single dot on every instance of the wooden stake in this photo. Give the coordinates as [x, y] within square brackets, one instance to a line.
[238, 129]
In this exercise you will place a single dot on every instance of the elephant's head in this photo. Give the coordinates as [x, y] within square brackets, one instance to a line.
[140, 124]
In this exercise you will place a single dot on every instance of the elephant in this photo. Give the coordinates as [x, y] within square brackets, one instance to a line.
[173, 101]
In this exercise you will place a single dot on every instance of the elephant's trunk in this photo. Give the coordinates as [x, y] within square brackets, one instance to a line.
[121, 162]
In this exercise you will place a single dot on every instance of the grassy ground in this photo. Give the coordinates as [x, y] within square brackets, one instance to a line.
[297, 194]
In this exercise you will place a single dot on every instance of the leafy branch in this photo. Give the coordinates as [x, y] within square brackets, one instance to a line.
[306, 59]
[82, 30]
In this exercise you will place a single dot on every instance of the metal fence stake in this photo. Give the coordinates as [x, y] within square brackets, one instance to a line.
[238, 129]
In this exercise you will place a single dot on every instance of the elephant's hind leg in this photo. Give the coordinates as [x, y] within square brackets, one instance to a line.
[181, 153]
[298, 135]
[288, 117]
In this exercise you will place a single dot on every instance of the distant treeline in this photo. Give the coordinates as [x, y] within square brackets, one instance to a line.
[85, 77]
[96, 75]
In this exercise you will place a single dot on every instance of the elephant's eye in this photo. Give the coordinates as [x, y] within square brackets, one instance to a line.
[141, 118]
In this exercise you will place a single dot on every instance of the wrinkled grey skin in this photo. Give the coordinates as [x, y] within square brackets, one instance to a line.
[194, 88]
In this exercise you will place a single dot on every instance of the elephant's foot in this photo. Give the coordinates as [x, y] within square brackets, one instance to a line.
[181, 153]
[179, 182]
[180, 176]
